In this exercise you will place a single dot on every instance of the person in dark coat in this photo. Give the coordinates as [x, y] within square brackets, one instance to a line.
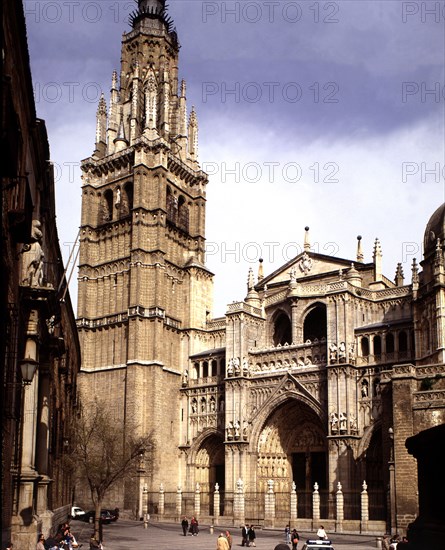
[185, 525]
[294, 538]
[244, 536]
[252, 536]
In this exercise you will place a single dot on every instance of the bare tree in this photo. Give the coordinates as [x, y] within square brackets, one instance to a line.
[105, 452]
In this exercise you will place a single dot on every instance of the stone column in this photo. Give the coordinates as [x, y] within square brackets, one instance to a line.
[238, 503]
[339, 516]
[293, 502]
[216, 504]
[364, 500]
[179, 501]
[161, 507]
[198, 500]
[315, 506]
[269, 504]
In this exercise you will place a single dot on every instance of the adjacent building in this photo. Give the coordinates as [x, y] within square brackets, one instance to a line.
[313, 382]
[40, 354]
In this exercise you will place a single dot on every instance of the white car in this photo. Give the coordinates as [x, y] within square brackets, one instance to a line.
[313, 544]
[76, 512]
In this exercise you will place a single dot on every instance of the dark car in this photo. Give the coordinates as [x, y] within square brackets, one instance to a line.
[105, 516]
[111, 513]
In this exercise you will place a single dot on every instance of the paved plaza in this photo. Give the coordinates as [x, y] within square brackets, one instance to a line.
[129, 535]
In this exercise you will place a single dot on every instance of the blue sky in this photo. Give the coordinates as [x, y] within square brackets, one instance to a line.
[326, 114]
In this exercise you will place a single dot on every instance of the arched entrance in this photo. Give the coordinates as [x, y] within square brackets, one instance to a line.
[209, 470]
[315, 323]
[292, 448]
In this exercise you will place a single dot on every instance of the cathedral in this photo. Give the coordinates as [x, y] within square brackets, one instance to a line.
[312, 383]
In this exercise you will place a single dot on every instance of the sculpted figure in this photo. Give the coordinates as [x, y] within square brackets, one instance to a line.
[32, 258]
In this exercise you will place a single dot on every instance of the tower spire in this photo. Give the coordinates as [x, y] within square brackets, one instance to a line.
[101, 128]
[360, 255]
[193, 135]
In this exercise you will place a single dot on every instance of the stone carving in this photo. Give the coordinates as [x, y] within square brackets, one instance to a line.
[236, 427]
[198, 487]
[194, 406]
[333, 352]
[352, 353]
[185, 378]
[118, 198]
[334, 422]
[316, 487]
[293, 274]
[305, 264]
[230, 430]
[236, 366]
[216, 487]
[245, 367]
[342, 352]
[245, 428]
[365, 389]
[212, 404]
[343, 422]
[32, 258]
[239, 485]
[270, 484]
[365, 486]
[294, 487]
[230, 369]
[339, 487]
[353, 423]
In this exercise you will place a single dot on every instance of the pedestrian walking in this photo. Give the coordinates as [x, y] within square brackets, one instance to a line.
[194, 526]
[287, 534]
[229, 539]
[222, 543]
[295, 538]
[185, 525]
[251, 536]
[321, 533]
[244, 536]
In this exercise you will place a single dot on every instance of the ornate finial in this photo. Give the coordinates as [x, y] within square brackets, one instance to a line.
[183, 88]
[250, 280]
[360, 256]
[260, 270]
[339, 487]
[193, 135]
[365, 486]
[399, 278]
[415, 272]
[438, 258]
[377, 248]
[216, 487]
[102, 106]
[377, 259]
[114, 80]
[316, 487]
[307, 244]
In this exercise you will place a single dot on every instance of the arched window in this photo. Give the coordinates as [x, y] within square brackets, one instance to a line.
[126, 205]
[403, 341]
[172, 207]
[195, 371]
[205, 369]
[183, 214]
[377, 345]
[107, 206]
[315, 324]
[389, 342]
[365, 346]
[282, 330]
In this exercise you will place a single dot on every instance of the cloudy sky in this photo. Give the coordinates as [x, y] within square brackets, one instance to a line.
[326, 114]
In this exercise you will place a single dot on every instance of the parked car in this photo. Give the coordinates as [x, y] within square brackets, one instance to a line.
[76, 512]
[105, 516]
[114, 514]
[314, 544]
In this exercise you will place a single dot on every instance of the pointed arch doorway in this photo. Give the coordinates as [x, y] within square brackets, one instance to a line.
[210, 470]
[292, 447]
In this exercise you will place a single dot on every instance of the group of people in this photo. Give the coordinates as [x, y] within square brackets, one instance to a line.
[192, 528]
[248, 535]
[393, 543]
[64, 538]
[224, 541]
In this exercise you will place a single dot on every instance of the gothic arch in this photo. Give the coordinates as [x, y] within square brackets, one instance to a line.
[206, 461]
[315, 322]
[281, 328]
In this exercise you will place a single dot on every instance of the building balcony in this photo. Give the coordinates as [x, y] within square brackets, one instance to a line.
[288, 357]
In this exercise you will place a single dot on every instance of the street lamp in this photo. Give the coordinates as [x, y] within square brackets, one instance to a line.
[28, 368]
[392, 482]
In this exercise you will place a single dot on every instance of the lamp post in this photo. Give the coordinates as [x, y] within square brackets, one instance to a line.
[145, 505]
[392, 483]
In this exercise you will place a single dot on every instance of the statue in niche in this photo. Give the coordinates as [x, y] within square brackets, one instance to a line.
[293, 274]
[118, 197]
[212, 404]
[230, 368]
[203, 405]
[245, 427]
[342, 352]
[333, 352]
[239, 485]
[194, 406]
[334, 422]
[230, 430]
[185, 378]
[245, 367]
[352, 353]
[342, 422]
[236, 427]
[365, 391]
[353, 423]
[32, 258]
[236, 366]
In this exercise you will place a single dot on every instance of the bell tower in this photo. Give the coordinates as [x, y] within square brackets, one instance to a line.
[144, 292]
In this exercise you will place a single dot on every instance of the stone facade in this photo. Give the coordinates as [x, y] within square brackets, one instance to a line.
[37, 320]
[317, 377]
